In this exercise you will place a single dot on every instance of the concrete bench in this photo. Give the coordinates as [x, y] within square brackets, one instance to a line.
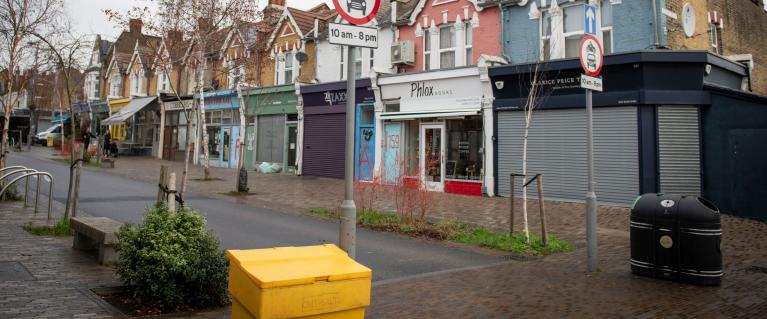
[107, 163]
[96, 233]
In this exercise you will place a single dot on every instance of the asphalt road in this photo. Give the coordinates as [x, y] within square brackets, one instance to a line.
[244, 227]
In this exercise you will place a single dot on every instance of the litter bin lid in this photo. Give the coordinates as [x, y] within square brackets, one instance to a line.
[289, 266]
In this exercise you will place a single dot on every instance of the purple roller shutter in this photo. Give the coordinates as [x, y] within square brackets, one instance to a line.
[324, 145]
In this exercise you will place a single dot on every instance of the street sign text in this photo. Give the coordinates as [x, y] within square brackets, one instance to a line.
[591, 83]
[345, 34]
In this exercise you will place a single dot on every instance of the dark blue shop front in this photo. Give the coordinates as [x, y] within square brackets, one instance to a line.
[324, 118]
[667, 121]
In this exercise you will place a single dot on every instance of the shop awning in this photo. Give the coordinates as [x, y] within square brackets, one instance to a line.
[409, 115]
[125, 113]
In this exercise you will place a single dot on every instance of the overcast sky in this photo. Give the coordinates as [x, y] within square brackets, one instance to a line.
[88, 16]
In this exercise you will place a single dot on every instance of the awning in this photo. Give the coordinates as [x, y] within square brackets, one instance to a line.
[408, 115]
[125, 113]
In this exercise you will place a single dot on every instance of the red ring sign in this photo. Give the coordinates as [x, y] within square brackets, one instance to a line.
[357, 11]
[591, 56]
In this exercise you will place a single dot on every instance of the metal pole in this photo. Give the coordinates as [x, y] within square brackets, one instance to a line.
[591, 196]
[50, 198]
[26, 191]
[37, 194]
[348, 231]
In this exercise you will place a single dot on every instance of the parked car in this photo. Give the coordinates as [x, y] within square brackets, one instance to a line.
[42, 137]
[357, 5]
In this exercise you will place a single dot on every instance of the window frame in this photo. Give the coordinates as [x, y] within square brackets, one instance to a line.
[452, 49]
[546, 56]
[115, 85]
[427, 50]
[468, 43]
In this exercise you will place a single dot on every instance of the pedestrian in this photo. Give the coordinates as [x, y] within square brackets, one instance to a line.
[107, 143]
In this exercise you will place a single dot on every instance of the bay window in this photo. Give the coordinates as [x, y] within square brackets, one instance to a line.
[447, 46]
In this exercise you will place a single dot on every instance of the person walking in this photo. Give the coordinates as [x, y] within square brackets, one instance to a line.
[107, 143]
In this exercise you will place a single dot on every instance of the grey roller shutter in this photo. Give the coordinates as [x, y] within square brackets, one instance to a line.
[271, 138]
[557, 149]
[679, 149]
[324, 145]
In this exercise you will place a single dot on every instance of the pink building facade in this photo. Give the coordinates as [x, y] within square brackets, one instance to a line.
[450, 33]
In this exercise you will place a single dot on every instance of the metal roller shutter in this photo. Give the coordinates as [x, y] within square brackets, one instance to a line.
[271, 138]
[324, 145]
[557, 149]
[679, 149]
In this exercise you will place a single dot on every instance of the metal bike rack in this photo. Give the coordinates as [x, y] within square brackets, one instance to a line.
[29, 172]
[37, 194]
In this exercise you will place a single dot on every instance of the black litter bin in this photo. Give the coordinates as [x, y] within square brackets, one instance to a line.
[676, 237]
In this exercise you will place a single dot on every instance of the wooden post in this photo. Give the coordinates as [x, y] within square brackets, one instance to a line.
[171, 192]
[511, 208]
[162, 184]
[543, 211]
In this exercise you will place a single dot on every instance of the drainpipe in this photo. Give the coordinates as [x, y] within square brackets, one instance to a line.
[502, 38]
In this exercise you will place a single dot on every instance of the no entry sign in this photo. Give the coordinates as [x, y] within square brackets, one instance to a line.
[357, 11]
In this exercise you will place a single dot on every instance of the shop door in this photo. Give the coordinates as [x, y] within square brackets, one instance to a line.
[432, 156]
[226, 143]
[391, 152]
[365, 153]
[292, 146]
[169, 140]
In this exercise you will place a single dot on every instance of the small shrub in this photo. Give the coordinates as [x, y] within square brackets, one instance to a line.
[61, 228]
[172, 259]
[11, 194]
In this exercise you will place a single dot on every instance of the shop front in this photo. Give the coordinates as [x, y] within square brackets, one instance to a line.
[324, 127]
[179, 127]
[135, 125]
[222, 124]
[648, 135]
[273, 128]
[432, 130]
[99, 112]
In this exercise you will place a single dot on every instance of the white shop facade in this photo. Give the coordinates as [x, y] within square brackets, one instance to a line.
[432, 128]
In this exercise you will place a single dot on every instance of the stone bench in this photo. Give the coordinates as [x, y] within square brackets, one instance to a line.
[96, 233]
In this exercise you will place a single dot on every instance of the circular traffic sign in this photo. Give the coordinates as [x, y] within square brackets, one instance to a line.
[591, 55]
[357, 11]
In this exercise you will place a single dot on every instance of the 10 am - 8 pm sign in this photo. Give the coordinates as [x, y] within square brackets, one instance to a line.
[357, 11]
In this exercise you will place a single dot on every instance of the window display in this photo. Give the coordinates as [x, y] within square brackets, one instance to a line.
[464, 149]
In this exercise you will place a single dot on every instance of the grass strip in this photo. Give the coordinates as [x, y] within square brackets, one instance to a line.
[61, 228]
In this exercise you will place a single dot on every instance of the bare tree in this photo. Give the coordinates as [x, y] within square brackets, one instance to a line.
[201, 27]
[19, 20]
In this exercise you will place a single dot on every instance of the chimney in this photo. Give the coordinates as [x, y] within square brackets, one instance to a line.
[203, 24]
[134, 25]
[279, 4]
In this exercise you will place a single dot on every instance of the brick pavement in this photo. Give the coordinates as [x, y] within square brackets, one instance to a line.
[554, 286]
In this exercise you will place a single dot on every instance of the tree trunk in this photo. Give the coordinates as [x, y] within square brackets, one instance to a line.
[76, 191]
[524, 176]
[205, 136]
[241, 141]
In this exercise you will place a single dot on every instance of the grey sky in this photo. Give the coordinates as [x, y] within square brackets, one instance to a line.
[88, 16]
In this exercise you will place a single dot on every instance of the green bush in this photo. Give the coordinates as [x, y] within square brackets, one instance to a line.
[11, 194]
[172, 259]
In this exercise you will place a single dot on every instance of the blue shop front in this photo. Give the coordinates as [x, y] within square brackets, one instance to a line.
[222, 123]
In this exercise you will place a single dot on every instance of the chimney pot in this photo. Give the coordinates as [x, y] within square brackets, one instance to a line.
[135, 25]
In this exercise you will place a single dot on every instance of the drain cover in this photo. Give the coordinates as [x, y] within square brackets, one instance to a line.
[14, 271]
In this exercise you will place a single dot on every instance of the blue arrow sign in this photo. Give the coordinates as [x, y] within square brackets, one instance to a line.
[590, 19]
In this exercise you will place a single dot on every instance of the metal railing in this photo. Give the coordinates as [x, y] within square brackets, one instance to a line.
[26, 174]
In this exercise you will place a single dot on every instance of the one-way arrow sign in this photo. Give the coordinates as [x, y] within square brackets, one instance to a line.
[591, 19]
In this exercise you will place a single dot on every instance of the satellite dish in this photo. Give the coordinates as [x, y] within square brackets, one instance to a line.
[302, 57]
[688, 20]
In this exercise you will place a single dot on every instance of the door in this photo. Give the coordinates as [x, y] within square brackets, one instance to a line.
[365, 153]
[364, 143]
[391, 152]
[226, 137]
[169, 139]
[291, 146]
[432, 156]
[747, 172]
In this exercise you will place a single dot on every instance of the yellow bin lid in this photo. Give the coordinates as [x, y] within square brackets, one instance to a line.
[289, 266]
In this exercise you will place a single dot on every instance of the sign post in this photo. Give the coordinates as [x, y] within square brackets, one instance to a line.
[591, 61]
[355, 12]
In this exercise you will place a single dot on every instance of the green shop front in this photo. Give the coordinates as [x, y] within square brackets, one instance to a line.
[272, 131]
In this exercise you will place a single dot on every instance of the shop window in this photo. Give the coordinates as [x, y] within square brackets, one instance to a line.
[292, 117]
[181, 138]
[447, 46]
[412, 147]
[214, 142]
[464, 149]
